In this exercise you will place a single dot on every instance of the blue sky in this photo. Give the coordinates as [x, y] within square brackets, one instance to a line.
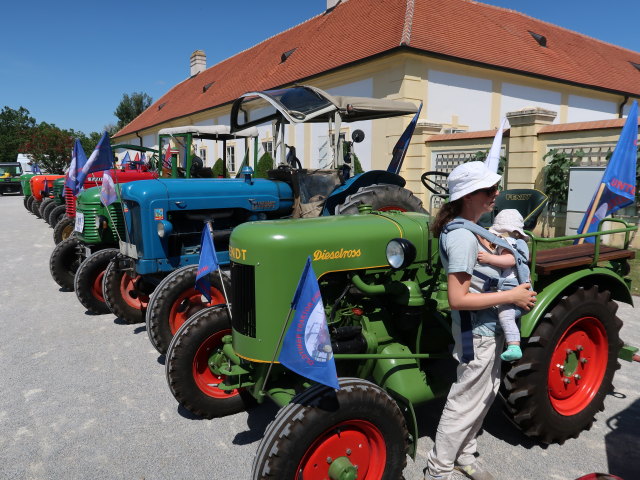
[69, 62]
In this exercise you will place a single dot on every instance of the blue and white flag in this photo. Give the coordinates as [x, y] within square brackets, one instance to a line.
[125, 160]
[306, 349]
[492, 162]
[617, 188]
[208, 263]
[108, 190]
[402, 145]
[78, 160]
[35, 168]
[101, 159]
[143, 158]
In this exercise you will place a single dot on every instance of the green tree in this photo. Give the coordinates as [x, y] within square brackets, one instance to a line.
[15, 126]
[50, 147]
[217, 169]
[265, 163]
[556, 178]
[131, 106]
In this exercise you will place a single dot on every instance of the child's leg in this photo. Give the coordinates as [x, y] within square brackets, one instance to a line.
[507, 319]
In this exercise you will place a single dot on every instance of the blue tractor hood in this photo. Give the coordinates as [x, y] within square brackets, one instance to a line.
[205, 193]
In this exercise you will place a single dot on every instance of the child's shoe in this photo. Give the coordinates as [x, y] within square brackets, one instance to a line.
[512, 353]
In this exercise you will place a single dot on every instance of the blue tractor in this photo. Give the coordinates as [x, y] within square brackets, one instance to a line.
[165, 221]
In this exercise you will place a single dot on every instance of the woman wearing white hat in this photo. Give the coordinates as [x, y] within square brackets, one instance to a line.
[478, 340]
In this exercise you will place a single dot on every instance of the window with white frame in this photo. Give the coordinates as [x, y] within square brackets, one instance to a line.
[231, 158]
[203, 155]
[267, 146]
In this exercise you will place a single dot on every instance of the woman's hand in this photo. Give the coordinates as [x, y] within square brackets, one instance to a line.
[523, 297]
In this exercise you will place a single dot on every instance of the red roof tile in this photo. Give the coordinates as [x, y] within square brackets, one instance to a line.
[359, 29]
[577, 126]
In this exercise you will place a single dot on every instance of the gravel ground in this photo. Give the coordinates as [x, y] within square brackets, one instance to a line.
[85, 396]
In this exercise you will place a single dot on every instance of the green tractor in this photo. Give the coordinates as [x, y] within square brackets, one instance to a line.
[10, 177]
[385, 298]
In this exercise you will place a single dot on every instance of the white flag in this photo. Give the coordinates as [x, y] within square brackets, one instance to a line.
[493, 159]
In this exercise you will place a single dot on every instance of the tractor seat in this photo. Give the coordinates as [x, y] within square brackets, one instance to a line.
[528, 201]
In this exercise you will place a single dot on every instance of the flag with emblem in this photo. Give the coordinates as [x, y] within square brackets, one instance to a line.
[208, 263]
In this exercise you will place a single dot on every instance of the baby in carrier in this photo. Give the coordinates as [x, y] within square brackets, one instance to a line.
[509, 225]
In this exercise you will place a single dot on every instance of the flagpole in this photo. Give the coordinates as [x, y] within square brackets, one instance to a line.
[224, 290]
[594, 207]
[273, 359]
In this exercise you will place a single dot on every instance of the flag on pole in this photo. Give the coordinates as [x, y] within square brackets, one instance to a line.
[35, 168]
[101, 159]
[166, 161]
[78, 161]
[492, 162]
[617, 188]
[136, 160]
[208, 263]
[125, 160]
[307, 345]
[402, 145]
[108, 190]
[143, 158]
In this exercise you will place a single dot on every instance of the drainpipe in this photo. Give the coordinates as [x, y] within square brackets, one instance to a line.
[621, 107]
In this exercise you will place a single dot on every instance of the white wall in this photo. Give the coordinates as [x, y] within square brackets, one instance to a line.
[467, 97]
[516, 97]
[584, 109]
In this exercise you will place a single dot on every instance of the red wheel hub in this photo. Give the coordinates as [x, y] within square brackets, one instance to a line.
[205, 379]
[127, 287]
[96, 287]
[577, 366]
[189, 302]
[358, 440]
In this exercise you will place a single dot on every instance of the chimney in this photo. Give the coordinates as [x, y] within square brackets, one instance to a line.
[333, 3]
[198, 62]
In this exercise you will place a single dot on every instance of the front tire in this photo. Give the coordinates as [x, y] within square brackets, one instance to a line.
[122, 296]
[46, 201]
[88, 280]
[63, 229]
[56, 214]
[193, 384]
[64, 262]
[176, 299]
[381, 197]
[25, 201]
[360, 422]
[46, 211]
[35, 207]
[554, 391]
[30, 201]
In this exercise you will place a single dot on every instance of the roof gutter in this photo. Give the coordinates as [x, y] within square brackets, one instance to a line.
[621, 107]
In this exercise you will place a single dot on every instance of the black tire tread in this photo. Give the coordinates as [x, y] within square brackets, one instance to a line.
[179, 360]
[111, 293]
[63, 263]
[306, 410]
[88, 270]
[56, 214]
[378, 196]
[58, 230]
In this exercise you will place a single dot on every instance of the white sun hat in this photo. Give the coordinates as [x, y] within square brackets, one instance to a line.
[469, 177]
[507, 221]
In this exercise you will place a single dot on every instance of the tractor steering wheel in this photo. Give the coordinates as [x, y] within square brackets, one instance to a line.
[430, 181]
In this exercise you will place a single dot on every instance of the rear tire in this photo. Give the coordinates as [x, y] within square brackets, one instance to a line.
[88, 280]
[176, 299]
[117, 288]
[190, 379]
[360, 422]
[64, 262]
[63, 229]
[554, 391]
[381, 197]
[56, 214]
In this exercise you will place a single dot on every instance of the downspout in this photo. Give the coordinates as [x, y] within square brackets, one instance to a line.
[141, 137]
[621, 107]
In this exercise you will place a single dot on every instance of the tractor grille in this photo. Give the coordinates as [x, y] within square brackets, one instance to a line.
[70, 201]
[244, 299]
[57, 191]
[90, 232]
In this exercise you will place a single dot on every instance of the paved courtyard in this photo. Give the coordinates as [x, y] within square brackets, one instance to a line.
[85, 396]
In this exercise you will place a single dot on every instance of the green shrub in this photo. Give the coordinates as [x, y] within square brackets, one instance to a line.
[265, 163]
[218, 168]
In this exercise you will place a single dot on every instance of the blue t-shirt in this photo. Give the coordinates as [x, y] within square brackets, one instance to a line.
[461, 247]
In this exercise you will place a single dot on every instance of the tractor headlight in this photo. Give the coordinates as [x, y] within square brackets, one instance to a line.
[400, 253]
[164, 228]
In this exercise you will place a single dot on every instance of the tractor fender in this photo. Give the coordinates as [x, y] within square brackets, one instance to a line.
[355, 183]
[603, 277]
